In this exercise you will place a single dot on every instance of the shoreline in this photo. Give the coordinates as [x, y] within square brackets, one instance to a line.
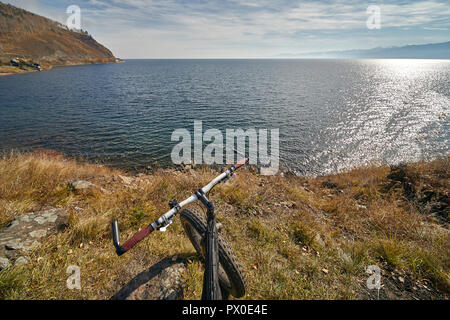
[155, 165]
[16, 70]
[6, 71]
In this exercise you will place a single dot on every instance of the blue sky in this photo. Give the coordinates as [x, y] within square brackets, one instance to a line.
[249, 28]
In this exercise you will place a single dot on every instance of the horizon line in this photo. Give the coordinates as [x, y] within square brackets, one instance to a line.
[285, 58]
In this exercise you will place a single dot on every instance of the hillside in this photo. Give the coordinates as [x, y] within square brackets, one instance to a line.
[296, 237]
[424, 51]
[46, 42]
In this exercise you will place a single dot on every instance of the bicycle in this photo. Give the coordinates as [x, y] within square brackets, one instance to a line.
[223, 273]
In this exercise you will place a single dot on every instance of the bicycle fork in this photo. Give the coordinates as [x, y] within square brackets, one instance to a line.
[211, 286]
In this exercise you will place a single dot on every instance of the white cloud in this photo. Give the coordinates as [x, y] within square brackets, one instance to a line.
[39, 8]
[243, 28]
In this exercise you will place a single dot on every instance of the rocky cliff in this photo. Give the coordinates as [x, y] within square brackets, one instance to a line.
[44, 41]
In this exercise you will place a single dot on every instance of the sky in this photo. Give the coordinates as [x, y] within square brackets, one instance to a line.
[141, 29]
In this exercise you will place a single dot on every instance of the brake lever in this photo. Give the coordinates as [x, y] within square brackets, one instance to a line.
[164, 226]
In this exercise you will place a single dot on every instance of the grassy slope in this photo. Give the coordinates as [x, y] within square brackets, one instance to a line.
[297, 238]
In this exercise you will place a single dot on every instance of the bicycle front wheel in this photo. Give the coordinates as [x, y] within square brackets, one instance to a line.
[231, 276]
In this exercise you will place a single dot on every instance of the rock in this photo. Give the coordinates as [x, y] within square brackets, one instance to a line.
[38, 233]
[28, 245]
[10, 254]
[4, 263]
[15, 244]
[81, 185]
[21, 261]
[165, 282]
[25, 218]
[268, 171]
[25, 232]
[126, 180]
[168, 287]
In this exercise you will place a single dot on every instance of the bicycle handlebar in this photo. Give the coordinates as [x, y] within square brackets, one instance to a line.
[166, 219]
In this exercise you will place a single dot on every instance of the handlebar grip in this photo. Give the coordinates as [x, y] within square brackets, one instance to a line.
[241, 163]
[139, 236]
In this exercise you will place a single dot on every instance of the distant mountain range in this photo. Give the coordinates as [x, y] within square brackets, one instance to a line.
[423, 51]
[28, 36]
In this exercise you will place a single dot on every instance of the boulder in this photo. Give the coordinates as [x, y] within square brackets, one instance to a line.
[167, 285]
[27, 232]
[81, 185]
[162, 281]
[126, 180]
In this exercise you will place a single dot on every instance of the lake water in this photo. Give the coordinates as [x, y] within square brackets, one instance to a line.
[332, 114]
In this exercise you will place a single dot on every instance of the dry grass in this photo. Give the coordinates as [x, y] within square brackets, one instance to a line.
[297, 238]
[38, 180]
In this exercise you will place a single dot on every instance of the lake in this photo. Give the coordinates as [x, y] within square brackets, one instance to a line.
[332, 114]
